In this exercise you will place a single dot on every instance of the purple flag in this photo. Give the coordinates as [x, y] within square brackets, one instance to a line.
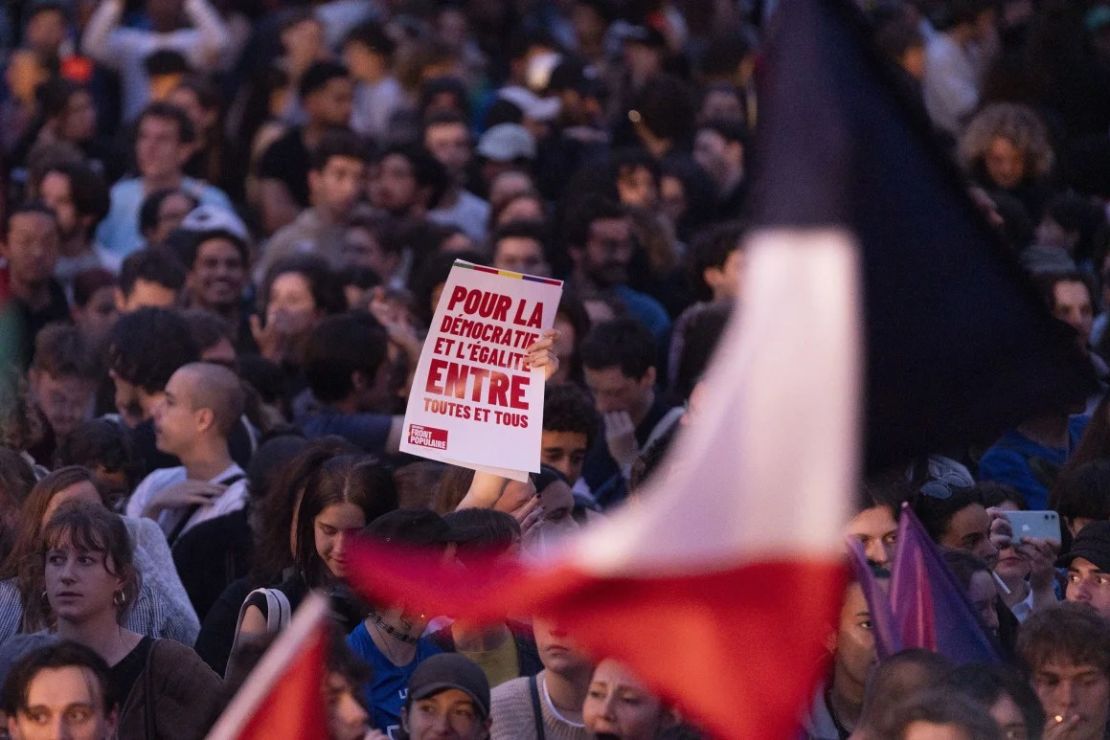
[888, 641]
[931, 610]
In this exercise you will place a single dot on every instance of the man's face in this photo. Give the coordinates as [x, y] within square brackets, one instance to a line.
[395, 185]
[449, 714]
[66, 401]
[1067, 690]
[338, 186]
[216, 280]
[877, 531]
[31, 247]
[520, 254]
[614, 391]
[564, 451]
[146, 294]
[450, 144]
[56, 194]
[1090, 584]
[159, 152]
[1072, 304]
[855, 641]
[176, 425]
[607, 252]
[331, 104]
[65, 703]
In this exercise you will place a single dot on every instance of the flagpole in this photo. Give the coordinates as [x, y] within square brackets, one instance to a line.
[261, 680]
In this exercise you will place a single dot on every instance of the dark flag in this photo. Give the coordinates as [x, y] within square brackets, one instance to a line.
[959, 346]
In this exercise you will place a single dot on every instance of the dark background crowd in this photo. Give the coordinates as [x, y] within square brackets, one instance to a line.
[225, 229]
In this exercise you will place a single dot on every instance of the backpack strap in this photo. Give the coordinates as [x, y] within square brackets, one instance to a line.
[279, 612]
[149, 718]
[537, 710]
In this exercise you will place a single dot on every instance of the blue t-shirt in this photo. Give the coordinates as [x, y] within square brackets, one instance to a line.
[368, 431]
[388, 687]
[1028, 466]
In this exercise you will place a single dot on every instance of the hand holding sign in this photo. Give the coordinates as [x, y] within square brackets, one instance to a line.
[541, 353]
[477, 394]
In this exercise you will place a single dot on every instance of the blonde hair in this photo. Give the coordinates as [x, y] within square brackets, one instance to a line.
[1018, 124]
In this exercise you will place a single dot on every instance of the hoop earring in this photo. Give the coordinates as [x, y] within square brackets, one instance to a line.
[119, 598]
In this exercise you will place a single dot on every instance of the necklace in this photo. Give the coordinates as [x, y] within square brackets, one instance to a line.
[551, 706]
[392, 631]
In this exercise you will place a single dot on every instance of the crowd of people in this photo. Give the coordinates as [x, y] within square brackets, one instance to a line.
[226, 226]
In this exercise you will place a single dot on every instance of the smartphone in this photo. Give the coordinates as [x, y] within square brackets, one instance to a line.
[1042, 524]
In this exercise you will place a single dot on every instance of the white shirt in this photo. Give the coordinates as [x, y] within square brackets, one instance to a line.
[233, 499]
[951, 84]
[470, 213]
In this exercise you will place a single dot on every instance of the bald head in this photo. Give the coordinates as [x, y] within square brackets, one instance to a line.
[214, 387]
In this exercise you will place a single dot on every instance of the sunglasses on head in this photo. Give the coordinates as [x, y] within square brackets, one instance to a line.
[935, 489]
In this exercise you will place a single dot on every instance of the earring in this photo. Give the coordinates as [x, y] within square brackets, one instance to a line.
[119, 598]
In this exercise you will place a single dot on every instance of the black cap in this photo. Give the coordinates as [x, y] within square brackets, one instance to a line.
[410, 528]
[450, 671]
[1092, 543]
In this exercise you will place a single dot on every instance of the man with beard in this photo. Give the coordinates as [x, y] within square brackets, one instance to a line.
[601, 246]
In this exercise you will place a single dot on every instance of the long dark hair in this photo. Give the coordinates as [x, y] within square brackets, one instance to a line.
[355, 479]
[276, 521]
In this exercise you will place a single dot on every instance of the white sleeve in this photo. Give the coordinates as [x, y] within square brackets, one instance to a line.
[141, 496]
[948, 88]
[100, 40]
[214, 37]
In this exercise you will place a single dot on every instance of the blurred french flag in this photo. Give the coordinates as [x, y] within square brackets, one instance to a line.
[881, 320]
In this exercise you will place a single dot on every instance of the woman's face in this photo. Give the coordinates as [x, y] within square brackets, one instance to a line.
[332, 528]
[83, 491]
[292, 309]
[78, 584]
[1005, 163]
[618, 705]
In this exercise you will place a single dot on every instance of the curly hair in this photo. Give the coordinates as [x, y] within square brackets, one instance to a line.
[1020, 125]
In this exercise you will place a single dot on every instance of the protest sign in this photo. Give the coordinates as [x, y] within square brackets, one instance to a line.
[474, 401]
